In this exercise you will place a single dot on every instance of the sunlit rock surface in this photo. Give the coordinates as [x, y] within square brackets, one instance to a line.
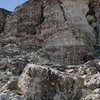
[66, 40]
[36, 84]
[58, 30]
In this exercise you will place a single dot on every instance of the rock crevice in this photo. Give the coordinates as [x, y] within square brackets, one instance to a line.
[62, 10]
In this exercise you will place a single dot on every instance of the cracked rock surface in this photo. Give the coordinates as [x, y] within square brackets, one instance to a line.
[57, 30]
[35, 84]
[60, 34]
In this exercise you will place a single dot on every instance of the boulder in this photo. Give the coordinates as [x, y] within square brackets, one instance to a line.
[24, 19]
[5, 95]
[93, 82]
[65, 41]
[36, 84]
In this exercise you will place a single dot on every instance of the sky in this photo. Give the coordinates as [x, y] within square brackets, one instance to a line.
[10, 4]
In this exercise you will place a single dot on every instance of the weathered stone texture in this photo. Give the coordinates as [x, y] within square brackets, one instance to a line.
[69, 39]
[35, 84]
[25, 18]
[57, 29]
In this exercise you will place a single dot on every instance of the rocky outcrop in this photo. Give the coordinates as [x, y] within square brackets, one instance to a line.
[3, 15]
[35, 84]
[55, 29]
[54, 33]
[66, 40]
[93, 82]
[90, 68]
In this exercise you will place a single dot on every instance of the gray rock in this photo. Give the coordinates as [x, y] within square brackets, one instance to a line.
[35, 84]
[93, 82]
[5, 95]
[61, 36]
[16, 97]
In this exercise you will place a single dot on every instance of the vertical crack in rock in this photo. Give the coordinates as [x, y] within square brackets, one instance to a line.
[42, 15]
[62, 10]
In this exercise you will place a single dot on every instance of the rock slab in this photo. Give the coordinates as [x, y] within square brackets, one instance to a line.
[35, 84]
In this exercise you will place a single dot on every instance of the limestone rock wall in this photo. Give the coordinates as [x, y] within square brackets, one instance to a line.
[25, 18]
[20, 28]
[69, 38]
[56, 29]
[35, 84]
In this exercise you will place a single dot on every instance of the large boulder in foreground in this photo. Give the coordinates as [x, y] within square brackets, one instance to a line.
[36, 85]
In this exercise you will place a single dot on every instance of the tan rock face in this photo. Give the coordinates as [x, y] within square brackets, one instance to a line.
[36, 84]
[66, 40]
[57, 29]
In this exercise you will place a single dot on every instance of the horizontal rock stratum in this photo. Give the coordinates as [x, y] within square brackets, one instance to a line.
[36, 85]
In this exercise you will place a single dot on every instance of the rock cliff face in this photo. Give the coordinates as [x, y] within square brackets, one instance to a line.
[36, 85]
[57, 29]
[3, 15]
[54, 33]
